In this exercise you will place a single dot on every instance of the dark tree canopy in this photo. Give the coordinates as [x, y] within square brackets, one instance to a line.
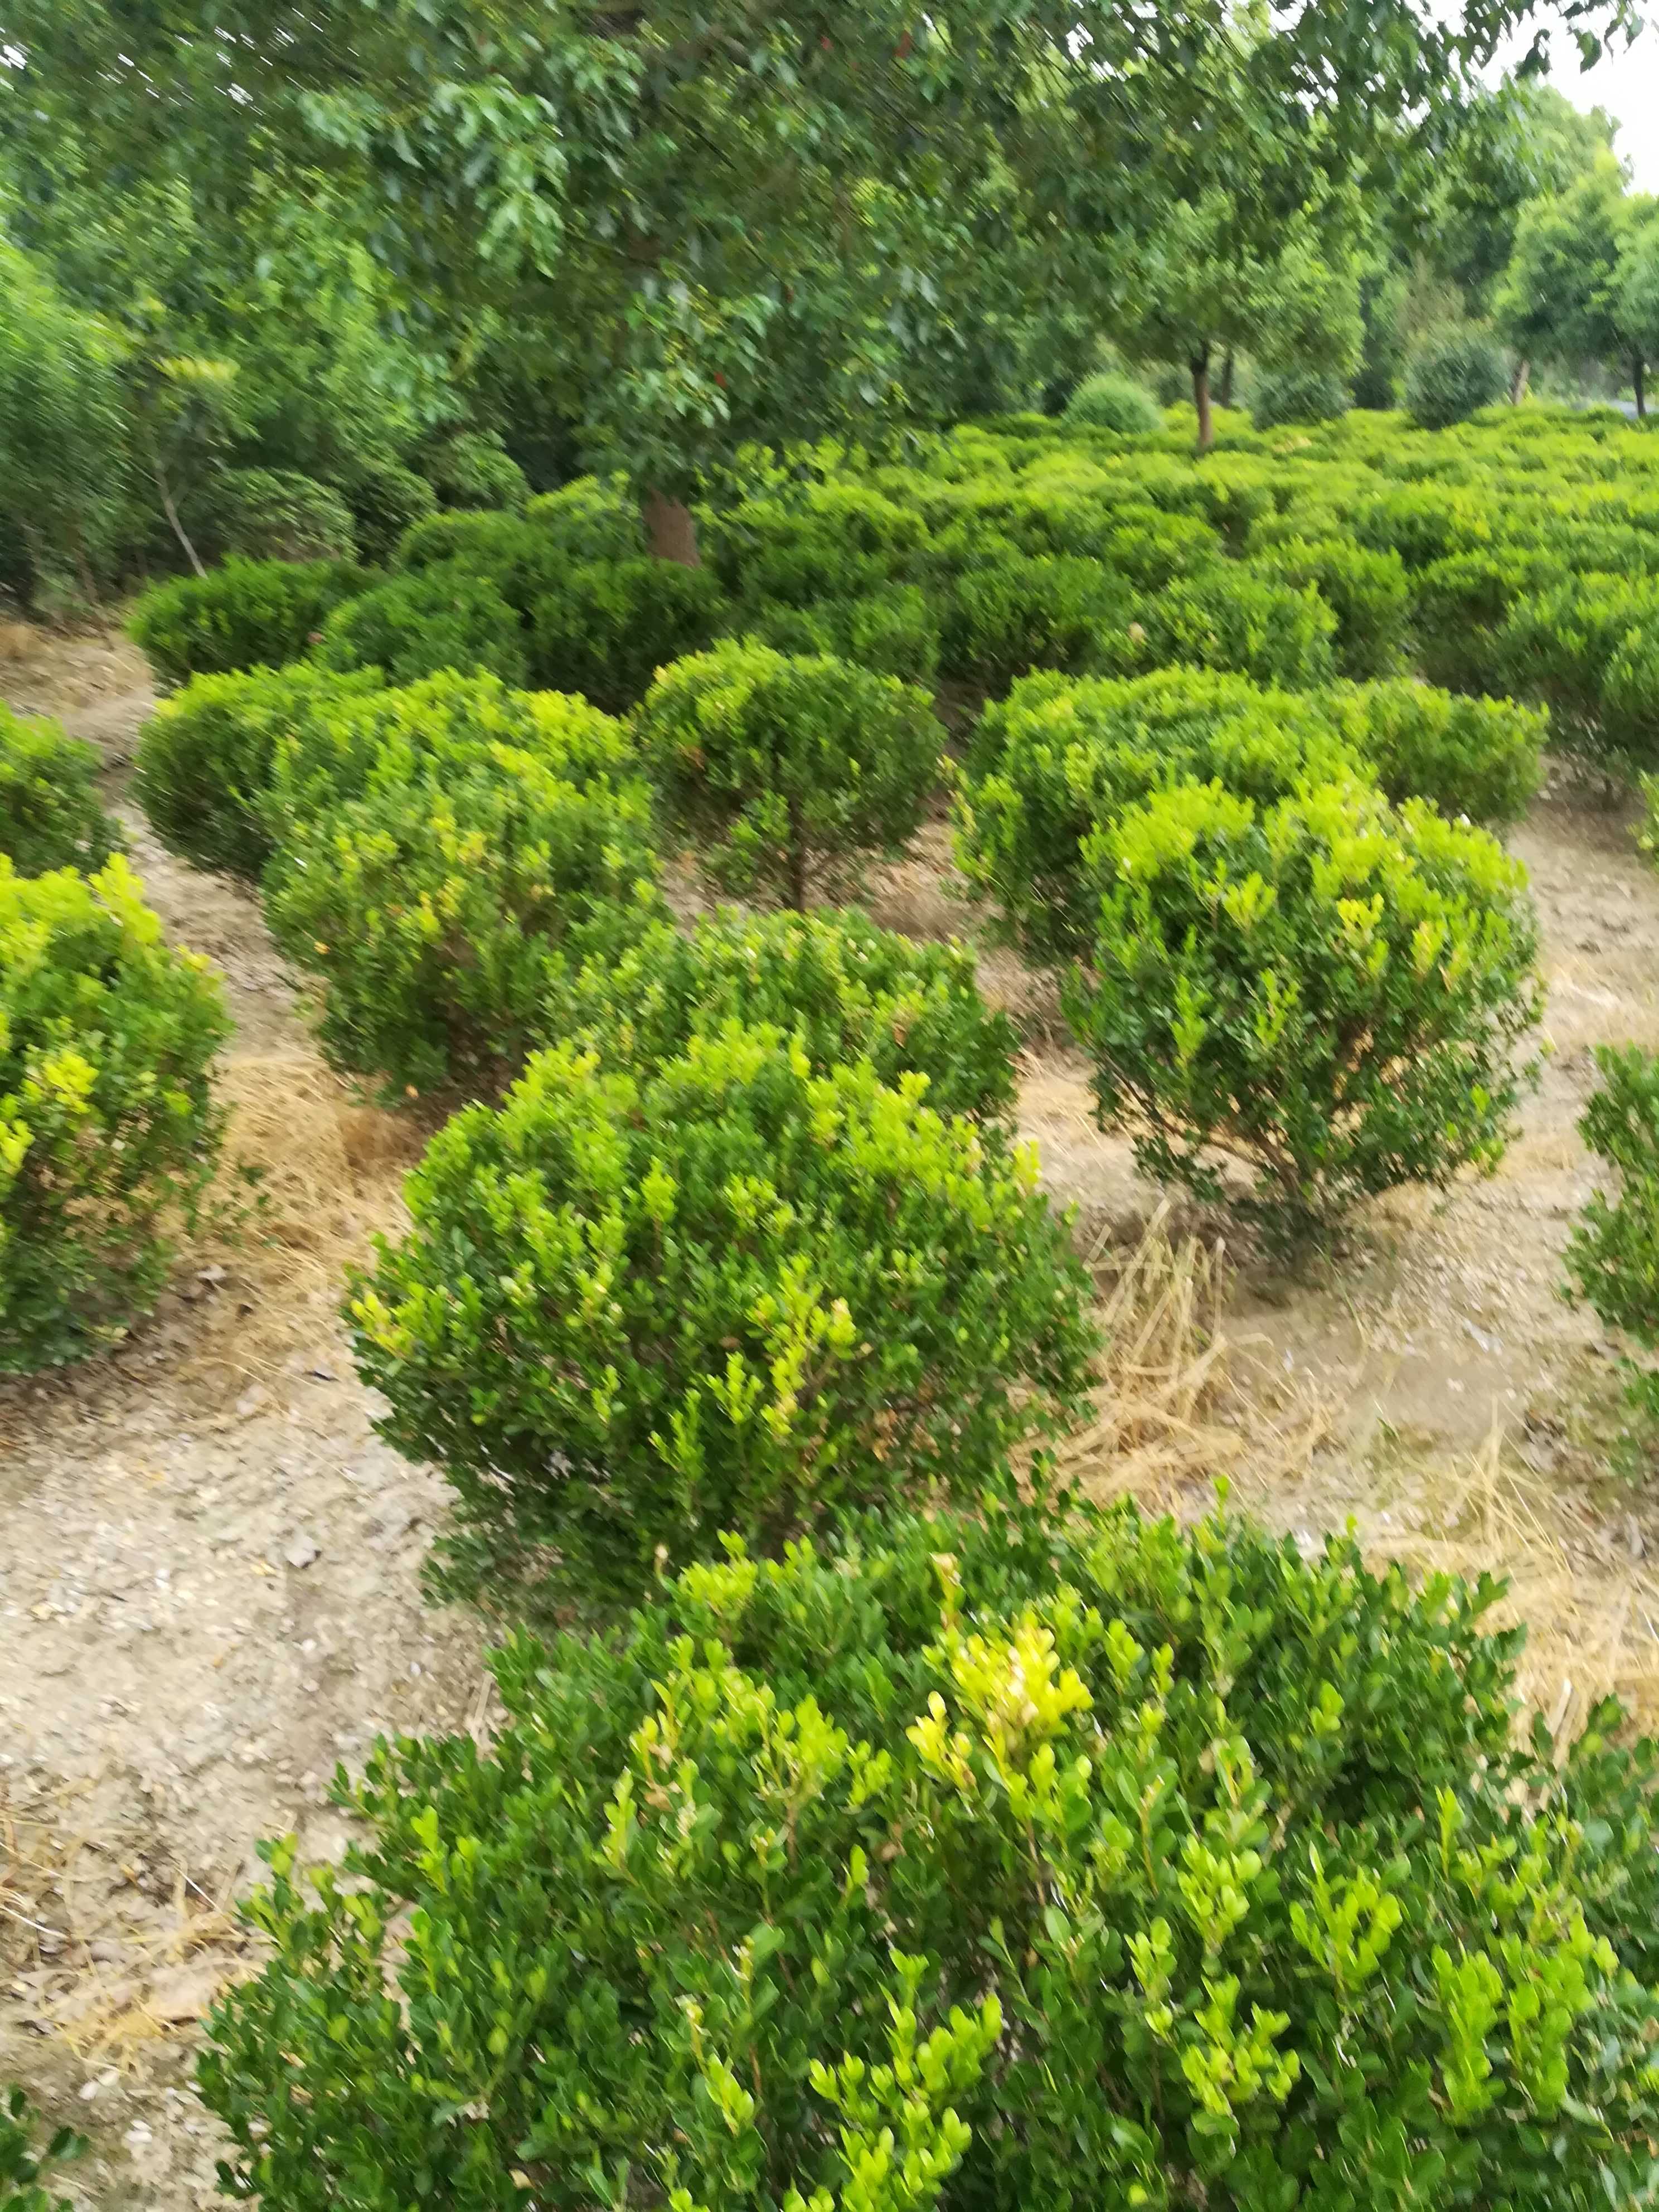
[715, 223]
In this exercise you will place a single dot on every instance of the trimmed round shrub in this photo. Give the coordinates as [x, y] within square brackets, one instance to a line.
[833, 982]
[108, 1131]
[1061, 756]
[278, 515]
[1329, 991]
[891, 632]
[387, 501]
[1454, 376]
[446, 617]
[1370, 594]
[607, 626]
[640, 1304]
[1231, 619]
[590, 520]
[51, 816]
[440, 907]
[204, 759]
[1562, 645]
[987, 1862]
[786, 769]
[1613, 1255]
[1459, 606]
[1107, 401]
[1025, 611]
[1280, 396]
[474, 468]
[1479, 758]
[249, 614]
[321, 760]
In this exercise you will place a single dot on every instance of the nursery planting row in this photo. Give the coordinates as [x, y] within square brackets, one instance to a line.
[921, 1835]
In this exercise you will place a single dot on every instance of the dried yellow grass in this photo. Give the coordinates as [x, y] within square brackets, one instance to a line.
[1169, 1417]
[327, 1172]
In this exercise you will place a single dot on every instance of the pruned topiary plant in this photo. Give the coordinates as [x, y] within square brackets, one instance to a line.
[248, 614]
[992, 1864]
[638, 1304]
[108, 1128]
[204, 759]
[1330, 992]
[843, 989]
[51, 816]
[440, 899]
[787, 769]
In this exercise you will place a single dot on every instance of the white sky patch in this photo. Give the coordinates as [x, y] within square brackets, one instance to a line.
[1626, 82]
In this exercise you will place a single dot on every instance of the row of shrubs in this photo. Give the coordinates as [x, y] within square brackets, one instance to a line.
[1490, 570]
[109, 1133]
[925, 1836]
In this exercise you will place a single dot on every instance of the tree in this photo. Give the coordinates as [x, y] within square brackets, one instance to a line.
[1559, 300]
[1217, 278]
[716, 223]
[63, 441]
[1521, 143]
[1635, 291]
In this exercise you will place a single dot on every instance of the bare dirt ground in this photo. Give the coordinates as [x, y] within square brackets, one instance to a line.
[209, 1572]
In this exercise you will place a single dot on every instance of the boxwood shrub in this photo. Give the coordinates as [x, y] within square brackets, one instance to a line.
[439, 907]
[1107, 401]
[989, 1863]
[893, 633]
[1370, 594]
[1454, 376]
[1481, 758]
[248, 614]
[108, 1130]
[786, 769]
[1612, 1255]
[205, 756]
[1460, 606]
[321, 759]
[1020, 612]
[1059, 758]
[834, 983]
[607, 626]
[642, 1304]
[51, 816]
[29, 2157]
[445, 616]
[1227, 618]
[1329, 993]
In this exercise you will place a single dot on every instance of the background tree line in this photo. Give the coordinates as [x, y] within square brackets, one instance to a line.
[282, 279]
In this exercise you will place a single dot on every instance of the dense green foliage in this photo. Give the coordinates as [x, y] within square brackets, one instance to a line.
[1058, 759]
[443, 854]
[833, 982]
[49, 813]
[108, 1131]
[444, 617]
[786, 770]
[606, 628]
[248, 614]
[643, 1304]
[205, 756]
[1107, 402]
[1324, 992]
[1454, 376]
[1612, 1257]
[26, 2164]
[1296, 395]
[993, 1862]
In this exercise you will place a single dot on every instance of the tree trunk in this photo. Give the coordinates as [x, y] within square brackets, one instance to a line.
[1639, 378]
[796, 857]
[1229, 367]
[1521, 380]
[671, 530]
[1201, 367]
[168, 508]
